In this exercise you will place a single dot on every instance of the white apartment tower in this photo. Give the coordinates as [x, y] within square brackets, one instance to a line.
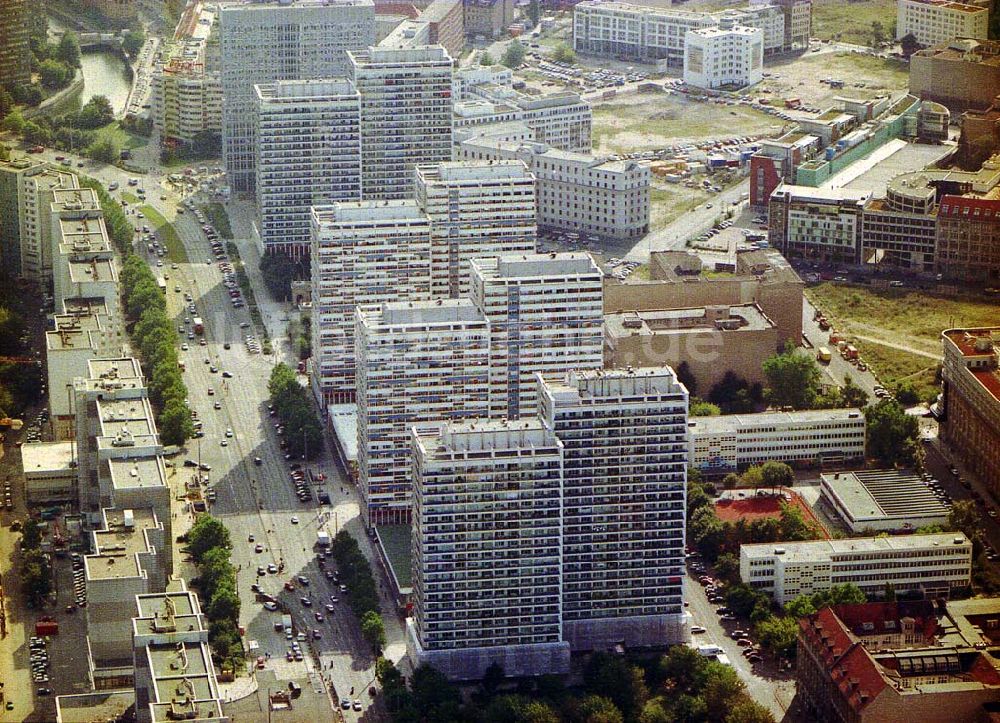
[262, 42]
[308, 154]
[728, 55]
[486, 549]
[406, 115]
[623, 507]
[421, 361]
[546, 316]
[477, 209]
[363, 252]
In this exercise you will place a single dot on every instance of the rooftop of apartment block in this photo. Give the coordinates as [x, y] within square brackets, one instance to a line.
[381, 55]
[74, 338]
[102, 705]
[554, 265]
[486, 436]
[311, 90]
[113, 371]
[983, 343]
[473, 173]
[408, 313]
[92, 271]
[85, 306]
[738, 317]
[369, 213]
[134, 415]
[118, 543]
[182, 603]
[602, 384]
[145, 471]
[823, 549]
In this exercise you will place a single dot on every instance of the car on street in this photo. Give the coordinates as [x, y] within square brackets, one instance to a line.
[258, 548]
[270, 606]
[303, 580]
[272, 568]
[345, 703]
[356, 705]
[319, 616]
[306, 602]
[696, 629]
[260, 571]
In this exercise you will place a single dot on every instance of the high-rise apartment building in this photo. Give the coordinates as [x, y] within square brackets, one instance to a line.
[421, 361]
[308, 154]
[406, 115]
[623, 504]
[545, 313]
[262, 42]
[486, 549]
[15, 54]
[363, 252]
[477, 209]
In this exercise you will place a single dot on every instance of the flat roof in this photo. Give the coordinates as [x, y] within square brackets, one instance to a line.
[397, 543]
[873, 495]
[118, 545]
[344, 420]
[134, 415]
[883, 170]
[733, 422]
[151, 605]
[818, 549]
[92, 271]
[686, 321]
[47, 458]
[115, 368]
[573, 263]
[97, 706]
[146, 471]
[72, 340]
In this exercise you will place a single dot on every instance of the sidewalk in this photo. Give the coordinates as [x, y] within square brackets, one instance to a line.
[241, 687]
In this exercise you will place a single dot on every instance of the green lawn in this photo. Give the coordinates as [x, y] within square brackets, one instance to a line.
[893, 366]
[130, 199]
[167, 233]
[121, 137]
[217, 216]
[851, 22]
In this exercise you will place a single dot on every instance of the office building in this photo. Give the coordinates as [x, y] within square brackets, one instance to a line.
[308, 154]
[969, 410]
[899, 229]
[761, 276]
[186, 87]
[406, 116]
[657, 34]
[624, 476]
[545, 313]
[446, 25]
[923, 660]
[488, 18]
[263, 42]
[15, 53]
[963, 73]
[477, 209]
[733, 442]
[363, 252]
[174, 673]
[968, 237]
[884, 500]
[486, 549]
[49, 473]
[422, 361]
[709, 340]
[932, 565]
[728, 55]
[816, 223]
[933, 22]
[576, 192]
[561, 119]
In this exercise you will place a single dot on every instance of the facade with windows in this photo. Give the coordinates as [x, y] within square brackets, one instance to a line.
[486, 549]
[546, 316]
[477, 209]
[733, 442]
[727, 55]
[420, 361]
[406, 115]
[308, 154]
[263, 42]
[817, 224]
[363, 252]
[933, 22]
[624, 477]
[933, 565]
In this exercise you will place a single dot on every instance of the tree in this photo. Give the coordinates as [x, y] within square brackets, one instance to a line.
[793, 525]
[175, 423]
[96, 113]
[909, 44]
[278, 270]
[749, 711]
[13, 121]
[614, 678]
[373, 629]
[599, 709]
[27, 94]
[708, 533]
[224, 605]
[853, 396]
[892, 433]
[513, 56]
[965, 518]
[698, 408]
[55, 74]
[878, 33]
[735, 395]
[731, 481]
[486, 60]
[431, 690]
[31, 535]
[6, 102]
[104, 151]
[845, 594]
[800, 607]
[133, 41]
[534, 12]
[777, 474]
[36, 577]
[778, 634]
[206, 533]
[906, 394]
[697, 497]
[727, 567]
[722, 689]
[741, 598]
[682, 669]
[563, 53]
[68, 50]
[792, 379]
[656, 710]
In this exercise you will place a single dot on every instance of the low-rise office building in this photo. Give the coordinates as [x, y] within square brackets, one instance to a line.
[962, 73]
[710, 340]
[933, 22]
[576, 192]
[969, 411]
[870, 501]
[817, 224]
[562, 120]
[734, 442]
[932, 565]
[49, 472]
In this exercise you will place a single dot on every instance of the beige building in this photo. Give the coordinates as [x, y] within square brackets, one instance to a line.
[488, 18]
[763, 277]
[969, 413]
[963, 73]
[940, 21]
[712, 340]
[49, 472]
[446, 19]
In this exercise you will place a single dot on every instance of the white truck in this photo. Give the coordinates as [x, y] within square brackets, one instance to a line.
[323, 538]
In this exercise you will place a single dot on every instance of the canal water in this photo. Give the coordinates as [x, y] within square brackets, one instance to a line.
[104, 73]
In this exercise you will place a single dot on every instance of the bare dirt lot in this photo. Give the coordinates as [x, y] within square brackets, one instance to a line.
[864, 76]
